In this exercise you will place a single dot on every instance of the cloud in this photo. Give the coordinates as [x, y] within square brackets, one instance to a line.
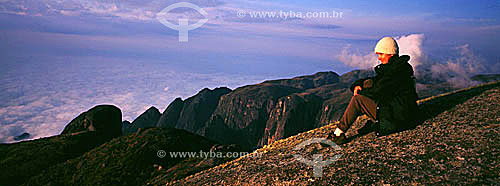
[324, 26]
[455, 66]
[359, 61]
[412, 45]
[59, 89]
[128, 9]
[104, 17]
[457, 71]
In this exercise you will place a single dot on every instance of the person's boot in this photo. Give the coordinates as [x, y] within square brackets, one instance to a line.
[340, 139]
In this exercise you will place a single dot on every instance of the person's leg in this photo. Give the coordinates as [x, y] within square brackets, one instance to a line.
[358, 105]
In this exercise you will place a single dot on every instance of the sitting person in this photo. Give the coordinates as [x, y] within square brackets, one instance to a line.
[389, 98]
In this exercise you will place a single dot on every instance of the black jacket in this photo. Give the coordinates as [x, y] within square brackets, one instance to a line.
[393, 89]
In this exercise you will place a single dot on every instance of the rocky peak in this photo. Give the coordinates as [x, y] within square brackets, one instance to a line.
[104, 119]
[171, 114]
[192, 113]
[147, 119]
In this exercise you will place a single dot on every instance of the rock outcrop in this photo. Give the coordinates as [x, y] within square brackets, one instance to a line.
[293, 113]
[241, 115]
[126, 129]
[171, 114]
[194, 112]
[103, 119]
[147, 119]
[198, 109]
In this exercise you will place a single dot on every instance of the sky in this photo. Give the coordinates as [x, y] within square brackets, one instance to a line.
[60, 58]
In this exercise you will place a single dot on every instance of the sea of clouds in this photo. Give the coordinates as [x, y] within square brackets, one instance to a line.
[41, 97]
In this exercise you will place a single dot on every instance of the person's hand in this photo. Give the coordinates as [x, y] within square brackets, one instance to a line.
[356, 89]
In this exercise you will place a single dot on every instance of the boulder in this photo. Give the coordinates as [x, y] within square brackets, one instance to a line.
[103, 119]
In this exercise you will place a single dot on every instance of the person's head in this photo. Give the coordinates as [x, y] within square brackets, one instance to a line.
[386, 48]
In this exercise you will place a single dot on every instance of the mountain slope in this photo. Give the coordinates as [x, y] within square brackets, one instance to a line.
[20, 161]
[457, 143]
[133, 160]
[23, 160]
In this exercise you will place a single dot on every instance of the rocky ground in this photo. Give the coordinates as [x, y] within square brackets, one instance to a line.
[457, 143]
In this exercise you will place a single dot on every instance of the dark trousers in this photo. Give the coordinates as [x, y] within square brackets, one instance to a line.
[358, 105]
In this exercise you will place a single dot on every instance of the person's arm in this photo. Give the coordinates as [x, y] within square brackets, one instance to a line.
[386, 85]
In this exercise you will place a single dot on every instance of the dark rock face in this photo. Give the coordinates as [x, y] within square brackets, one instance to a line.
[147, 119]
[291, 115]
[104, 119]
[333, 108]
[171, 114]
[242, 114]
[194, 112]
[198, 109]
[125, 127]
[22, 136]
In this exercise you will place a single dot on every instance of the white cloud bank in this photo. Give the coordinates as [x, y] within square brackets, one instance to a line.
[460, 64]
[41, 97]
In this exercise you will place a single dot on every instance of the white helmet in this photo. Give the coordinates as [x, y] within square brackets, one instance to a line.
[387, 45]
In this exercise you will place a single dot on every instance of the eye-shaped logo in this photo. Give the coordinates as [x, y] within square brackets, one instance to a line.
[318, 163]
[183, 27]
